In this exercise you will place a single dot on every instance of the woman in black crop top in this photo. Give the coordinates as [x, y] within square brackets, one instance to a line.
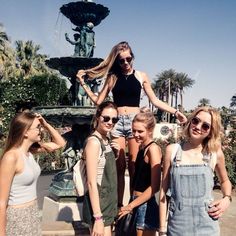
[146, 181]
[126, 85]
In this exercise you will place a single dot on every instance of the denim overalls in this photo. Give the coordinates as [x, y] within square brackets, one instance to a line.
[190, 190]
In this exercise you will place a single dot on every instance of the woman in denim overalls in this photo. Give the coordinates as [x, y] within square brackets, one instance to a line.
[188, 174]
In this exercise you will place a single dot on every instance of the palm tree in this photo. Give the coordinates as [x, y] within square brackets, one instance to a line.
[233, 102]
[7, 57]
[29, 60]
[183, 81]
[204, 102]
[162, 83]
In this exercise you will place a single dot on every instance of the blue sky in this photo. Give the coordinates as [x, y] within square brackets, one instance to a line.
[196, 37]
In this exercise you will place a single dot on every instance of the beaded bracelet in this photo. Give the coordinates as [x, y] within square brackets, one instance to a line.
[176, 112]
[97, 218]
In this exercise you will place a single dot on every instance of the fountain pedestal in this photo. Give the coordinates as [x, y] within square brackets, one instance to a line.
[62, 202]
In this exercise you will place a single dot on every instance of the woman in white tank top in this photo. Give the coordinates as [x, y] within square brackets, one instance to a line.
[19, 173]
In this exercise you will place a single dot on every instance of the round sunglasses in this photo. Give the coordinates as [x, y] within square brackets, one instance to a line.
[205, 126]
[114, 120]
[123, 60]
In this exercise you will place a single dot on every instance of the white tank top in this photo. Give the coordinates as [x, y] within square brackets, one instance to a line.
[23, 188]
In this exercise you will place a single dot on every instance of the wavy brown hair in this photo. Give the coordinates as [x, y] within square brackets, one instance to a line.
[110, 65]
[213, 141]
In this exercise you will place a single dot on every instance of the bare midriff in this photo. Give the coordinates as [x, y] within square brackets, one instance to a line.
[128, 110]
[24, 204]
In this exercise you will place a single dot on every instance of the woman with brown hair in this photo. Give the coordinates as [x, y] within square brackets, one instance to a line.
[100, 203]
[19, 173]
[126, 85]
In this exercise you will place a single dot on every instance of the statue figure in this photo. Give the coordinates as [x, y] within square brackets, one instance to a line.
[76, 42]
[62, 183]
[87, 39]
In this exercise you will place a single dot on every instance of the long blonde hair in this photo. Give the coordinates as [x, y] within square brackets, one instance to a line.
[18, 126]
[213, 141]
[110, 64]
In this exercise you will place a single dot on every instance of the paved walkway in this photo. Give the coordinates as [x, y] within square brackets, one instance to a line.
[227, 222]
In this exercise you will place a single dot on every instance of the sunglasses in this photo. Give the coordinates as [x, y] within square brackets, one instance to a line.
[114, 120]
[205, 126]
[123, 60]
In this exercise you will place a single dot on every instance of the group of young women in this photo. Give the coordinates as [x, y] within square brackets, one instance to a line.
[186, 200]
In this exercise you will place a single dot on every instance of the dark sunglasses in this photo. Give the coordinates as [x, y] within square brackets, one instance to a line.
[123, 60]
[205, 126]
[114, 120]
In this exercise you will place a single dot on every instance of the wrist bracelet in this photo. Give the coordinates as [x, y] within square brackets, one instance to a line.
[176, 112]
[97, 218]
[162, 233]
[83, 84]
[229, 197]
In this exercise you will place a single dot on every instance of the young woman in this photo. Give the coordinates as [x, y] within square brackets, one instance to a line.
[146, 181]
[100, 204]
[126, 85]
[188, 172]
[19, 173]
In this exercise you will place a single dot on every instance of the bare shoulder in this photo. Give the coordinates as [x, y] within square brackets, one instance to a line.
[169, 151]
[141, 74]
[154, 147]
[10, 158]
[93, 142]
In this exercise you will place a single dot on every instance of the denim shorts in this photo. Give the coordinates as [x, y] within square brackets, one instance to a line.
[123, 127]
[147, 215]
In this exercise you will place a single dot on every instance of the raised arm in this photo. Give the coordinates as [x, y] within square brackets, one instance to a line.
[218, 207]
[91, 152]
[57, 140]
[164, 187]
[96, 99]
[158, 103]
[7, 171]
[69, 40]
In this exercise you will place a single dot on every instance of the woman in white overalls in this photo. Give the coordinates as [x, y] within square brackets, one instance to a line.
[188, 172]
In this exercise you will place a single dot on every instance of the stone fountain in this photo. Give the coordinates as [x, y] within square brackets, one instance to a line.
[62, 203]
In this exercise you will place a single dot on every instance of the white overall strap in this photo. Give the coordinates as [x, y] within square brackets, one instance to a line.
[213, 161]
[175, 152]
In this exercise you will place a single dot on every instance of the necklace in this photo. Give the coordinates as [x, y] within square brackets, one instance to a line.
[126, 76]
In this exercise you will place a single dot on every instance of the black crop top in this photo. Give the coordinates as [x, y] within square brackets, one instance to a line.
[142, 174]
[127, 90]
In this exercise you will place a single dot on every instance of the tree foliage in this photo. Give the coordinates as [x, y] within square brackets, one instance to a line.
[204, 102]
[229, 149]
[169, 85]
[41, 90]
